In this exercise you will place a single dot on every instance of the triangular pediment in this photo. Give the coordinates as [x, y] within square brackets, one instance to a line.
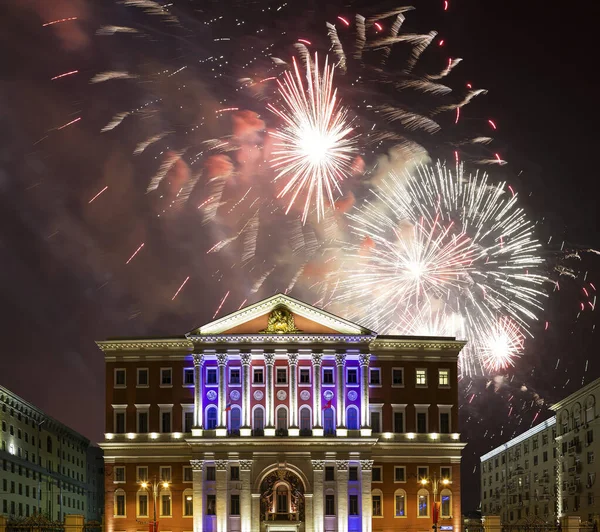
[281, 314]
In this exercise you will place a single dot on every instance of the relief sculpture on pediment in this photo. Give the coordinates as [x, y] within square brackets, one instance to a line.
[281, 321]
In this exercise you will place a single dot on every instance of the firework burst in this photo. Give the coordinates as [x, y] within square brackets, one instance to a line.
[315, 147]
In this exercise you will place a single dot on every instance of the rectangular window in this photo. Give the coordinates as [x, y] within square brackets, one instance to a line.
[400, 505]
[120, 378]
[353, 473]
[353, 505]
[188, 505]
[166, 377]
[545, 456]
[142, 422]
[187, 474]
[398, 377]
[119, 422]
[399, 474]
[258, 376]
[142, 473]
[211, 504]
[446, 472]
[589, 437]
[421, 377]
[165, 505]
[422, 473]
[328, 376]
[235, 376]
[329, 473]
[281, 376]
[165, 422]
[444, 422]
[375, 376]
[188, 376]
[142, 377]
[234, 472]
[535, 460]
[376, 422]
[165, 473]
[142, 505]
[120, 505]
[211, 473]
[211, 376]
[377, 509]
[329, 504]
[234, 507]
[377, 474]
[119, 474]
[398, 422]
[304, 376]
[352, 376]
[443, 377]
[590, 457]
[188, 421]
[421, 422]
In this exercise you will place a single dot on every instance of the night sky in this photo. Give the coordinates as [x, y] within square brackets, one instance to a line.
[63, 278]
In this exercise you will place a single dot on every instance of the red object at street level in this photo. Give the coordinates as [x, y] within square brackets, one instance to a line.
[436, 512]
[153, 527]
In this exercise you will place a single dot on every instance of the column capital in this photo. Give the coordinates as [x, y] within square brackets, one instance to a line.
[366, 465]
[246, 465]
[197, 465]
[292, 358]
[222, 359]
[341, 465]
[317, 358]
[318, 465]
[198, 359]
[340, 359]
[221, 465]
[269, 359]
[364, 359]
[246, 358]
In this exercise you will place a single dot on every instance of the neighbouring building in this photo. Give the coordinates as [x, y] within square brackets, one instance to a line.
[44, 463]
[95, 481]
[281, 417]
[549, 471]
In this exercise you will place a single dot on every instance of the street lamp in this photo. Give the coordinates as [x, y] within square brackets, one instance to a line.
[155, 488]
[435, 483]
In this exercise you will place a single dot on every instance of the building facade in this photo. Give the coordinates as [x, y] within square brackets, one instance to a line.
[281, 417]
[44, 463]
[95, 481]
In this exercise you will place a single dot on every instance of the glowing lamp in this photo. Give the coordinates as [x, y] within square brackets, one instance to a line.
[153, 435]
[434, 435]
[165, 484]
[144, 485]
[109, 436]
[410, 435]
[131, 435]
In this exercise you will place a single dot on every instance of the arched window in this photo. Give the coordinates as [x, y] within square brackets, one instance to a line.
[142, 503]
[446, 504]
[119, 503]
[377, 499]
[305, 419]
[211, 418]
[590, 404]
[48, 444]
[188, 503]
[422, 503]
[400, 503]
[234, 419]
[352, 418]
[282, 418]
[282, 499]
[258, 418]
[329, 421]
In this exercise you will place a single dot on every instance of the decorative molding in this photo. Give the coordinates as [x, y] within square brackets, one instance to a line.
[341, 465]
[246, 465]
[234, 395]
[282, 339]
[281, 321]
[198, 359]
[305, 395]
[282, 395]
[412, 344]
[364, 359]
[340, 359]
[222, 359]
[292, 359]
[366, 465]
[246, 358]
[352, 395]
[221, 465]
[258, 395]
[169, 344]
[269, 359]
[197, 465]
[318, 465]
[211, 395]
[328, 395]
[317, 358]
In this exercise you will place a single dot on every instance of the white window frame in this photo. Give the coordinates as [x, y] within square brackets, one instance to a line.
[120, 386]
[400, 408]
[186, 409]
[119, 409]
[305, 384]
[287, 377]
[376, 407]
[380, 475]
[137, 378]
[400, 491]
[419, 409]
[371, 384]
[399, 481]
[162, 493]
[137, 503]
[183, 470]
[160, 475]
[211, 384]
[446, 467]
[333, 373]
[118, 492]
[380, 493]
[259, 384]
[120, 468]
[440, 385]
[141, 409]
[137, 473]
[398, 385]
[229, 383]
[351, 385]
[161, 378]
[442, 516]
[187, 385]
[163, 409]
[445, 409]
[186, 492]
[417, 385]
[428, 504]
[426, 467]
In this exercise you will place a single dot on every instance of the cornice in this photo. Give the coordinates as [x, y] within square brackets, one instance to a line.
[416, 344]
[280, 339]
[582, 393]
[141, 344]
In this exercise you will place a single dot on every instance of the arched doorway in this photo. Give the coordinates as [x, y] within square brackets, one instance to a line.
[282, 497]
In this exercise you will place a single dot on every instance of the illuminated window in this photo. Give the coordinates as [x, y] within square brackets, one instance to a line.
[421, 377]
[188, 503]
[446, 504]
[376, 499]
[400, 503]
[443, 377]
[423, 503]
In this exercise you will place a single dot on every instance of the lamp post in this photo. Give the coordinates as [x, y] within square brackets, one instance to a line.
[155, 488]
[435, 483]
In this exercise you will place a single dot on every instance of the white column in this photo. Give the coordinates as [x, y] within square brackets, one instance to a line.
[366, 467]
[198, 494]
[198, 363]
[318, 510]
[293, 361]
[308, 513]
[340, 361]
[269, 402]
[222, 361]
[221, 489]
[342, 495]
[246, 495]
[317, 358]
[256, 509]
[365, 425]
[245, 429]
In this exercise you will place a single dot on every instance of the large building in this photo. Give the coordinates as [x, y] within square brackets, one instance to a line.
[44, 463]
[282, 417]
[549, 471]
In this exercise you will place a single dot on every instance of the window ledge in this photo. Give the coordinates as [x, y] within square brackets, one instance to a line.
[187, 386]
[352, 385]
[235, 385]
[397, 385]
[421, 386]
[166, 386]
[142, 386]
[444, 386]
[328, 385]
[258, 384]
[399, 517]
[304, 385]
[211, 385]
[281, 385]
[374, 385]
[119, 387]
